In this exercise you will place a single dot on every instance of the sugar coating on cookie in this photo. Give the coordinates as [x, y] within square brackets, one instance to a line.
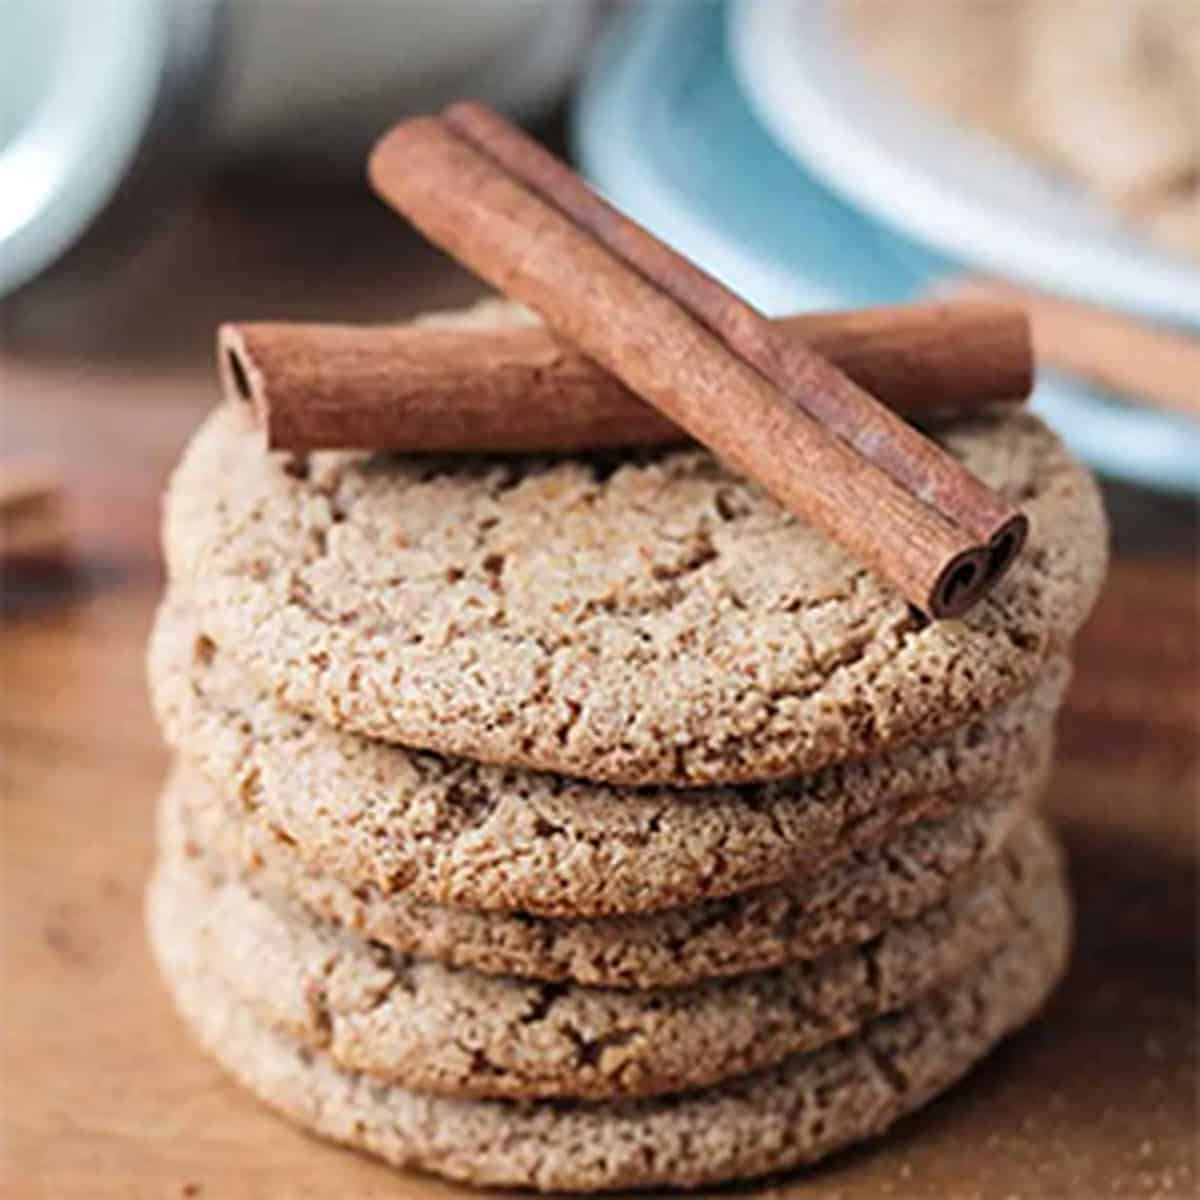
[848, 903]
[459, 833]
[458, 1032]
[805, 1108]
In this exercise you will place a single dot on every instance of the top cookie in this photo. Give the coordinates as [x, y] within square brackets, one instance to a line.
[646, 619]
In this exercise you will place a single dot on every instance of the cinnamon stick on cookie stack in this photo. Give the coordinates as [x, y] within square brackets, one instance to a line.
[617, 751]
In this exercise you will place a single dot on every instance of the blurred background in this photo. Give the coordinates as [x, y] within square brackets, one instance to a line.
[169, 164]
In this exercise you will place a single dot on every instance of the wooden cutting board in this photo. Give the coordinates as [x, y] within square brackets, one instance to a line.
[105, 1096]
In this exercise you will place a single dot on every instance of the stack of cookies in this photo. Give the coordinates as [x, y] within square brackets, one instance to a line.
[590, 823]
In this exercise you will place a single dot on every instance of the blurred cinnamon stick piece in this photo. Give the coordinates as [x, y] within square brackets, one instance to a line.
[33, 526]
[1156, 366]
[421, 388]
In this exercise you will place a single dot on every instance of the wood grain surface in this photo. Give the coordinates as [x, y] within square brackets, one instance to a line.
[105, 1096]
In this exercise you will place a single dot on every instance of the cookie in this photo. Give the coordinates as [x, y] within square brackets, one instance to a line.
[803, 1109]
[457, 833]
[640, 619]
[845, 905]
[457, 1032]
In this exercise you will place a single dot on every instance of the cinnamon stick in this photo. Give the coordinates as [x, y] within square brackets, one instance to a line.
[829, 395]
[423, 389]
[462, 200]
[33, 526]
[1158, 366]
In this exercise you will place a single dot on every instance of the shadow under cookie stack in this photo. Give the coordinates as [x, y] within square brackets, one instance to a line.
[589, 821]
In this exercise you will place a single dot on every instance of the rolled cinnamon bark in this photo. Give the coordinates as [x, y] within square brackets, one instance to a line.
[463, 201]
[834, 400]
[422, 389]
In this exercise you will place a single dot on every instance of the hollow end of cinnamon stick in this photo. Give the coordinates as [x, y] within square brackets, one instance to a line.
[240, 378]
[1005, 547]
[237, 372]
[960, 586]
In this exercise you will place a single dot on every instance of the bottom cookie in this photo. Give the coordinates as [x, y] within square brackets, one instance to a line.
[799, 1111]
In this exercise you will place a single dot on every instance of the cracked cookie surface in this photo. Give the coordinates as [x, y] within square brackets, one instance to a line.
[459, 833]
[803, 1109]
[457, 1032]
[637, 619]
[844, 905]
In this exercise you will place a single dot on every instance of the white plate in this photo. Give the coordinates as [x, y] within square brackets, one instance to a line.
[961, 194]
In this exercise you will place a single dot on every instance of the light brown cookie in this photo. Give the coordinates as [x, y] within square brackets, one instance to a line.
[457, 1032]
[844, 905]
[643, 619]
[801, 1110]
[458, 833]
